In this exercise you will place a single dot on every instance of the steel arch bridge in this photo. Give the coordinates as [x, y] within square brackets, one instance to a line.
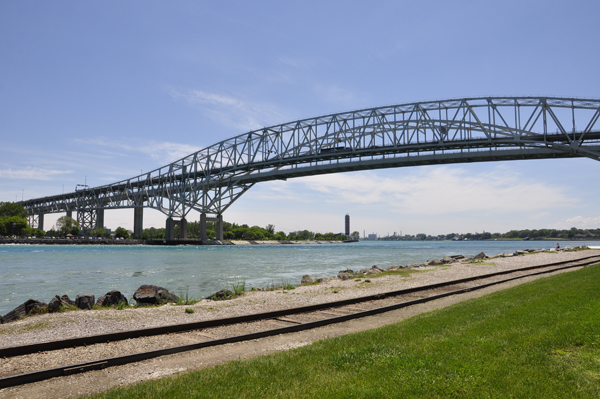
[423, 133]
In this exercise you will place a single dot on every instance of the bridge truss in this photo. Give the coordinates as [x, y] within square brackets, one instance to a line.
[424, 133]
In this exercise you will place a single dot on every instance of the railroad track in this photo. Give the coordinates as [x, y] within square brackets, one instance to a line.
[160, 340]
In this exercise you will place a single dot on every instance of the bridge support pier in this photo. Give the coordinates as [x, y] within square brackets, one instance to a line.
[203, 235]
[170, 228]
[89, 219]
[219, 227]
[100, 218]
[36, 221]
[138, 222]
[183, 228]
[70, 214]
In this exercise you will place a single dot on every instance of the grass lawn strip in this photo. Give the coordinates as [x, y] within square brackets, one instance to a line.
[537, 340]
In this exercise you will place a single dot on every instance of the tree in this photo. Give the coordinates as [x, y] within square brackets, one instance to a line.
[120, 232]
[270, 228]
[13, 218]
[99, 232]
[12, 209]
[39, 233]
[12, 225]
[67, 225]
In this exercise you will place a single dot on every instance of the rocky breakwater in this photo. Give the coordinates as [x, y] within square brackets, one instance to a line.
[62, 303]
[446, 260]
[146, 295]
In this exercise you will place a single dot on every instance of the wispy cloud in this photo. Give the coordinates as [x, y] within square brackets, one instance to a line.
[32, 173]
[336, 94]
[437, 191]
[297, 62]
[581, 222]
[242, 114]
[165, 151]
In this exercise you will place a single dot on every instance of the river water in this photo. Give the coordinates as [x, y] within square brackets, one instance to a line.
[42, 271]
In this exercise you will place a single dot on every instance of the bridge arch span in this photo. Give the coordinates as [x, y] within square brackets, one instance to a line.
[475, 129]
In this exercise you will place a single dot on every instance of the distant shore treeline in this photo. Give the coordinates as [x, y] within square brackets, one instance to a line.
[233, 231]
[13, 222]
[540, 234]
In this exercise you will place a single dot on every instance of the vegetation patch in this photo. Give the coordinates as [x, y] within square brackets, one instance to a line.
[238, 287]
[480, 262]
[26, 328]
[400, 272]
[185, 299]
[537, 340]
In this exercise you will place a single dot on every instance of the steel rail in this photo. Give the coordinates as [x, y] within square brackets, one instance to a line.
[174, 328]
[41, 375]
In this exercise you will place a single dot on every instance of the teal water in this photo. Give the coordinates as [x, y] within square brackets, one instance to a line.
[42, 271]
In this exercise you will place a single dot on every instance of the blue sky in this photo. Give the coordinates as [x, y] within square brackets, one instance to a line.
[98, 91]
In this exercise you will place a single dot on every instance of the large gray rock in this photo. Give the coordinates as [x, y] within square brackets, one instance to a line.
[57, 302]
[374, 270]
[306, 279]
[480, 255]
[28, 307]
[85, 301]
[65, 298]
[148, 295]
[112, 298]
[346, 274]
[220, 295]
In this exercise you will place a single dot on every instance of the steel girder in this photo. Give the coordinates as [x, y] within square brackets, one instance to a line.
[449, 131]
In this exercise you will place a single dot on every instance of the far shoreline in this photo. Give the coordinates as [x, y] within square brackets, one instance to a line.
[196, 242]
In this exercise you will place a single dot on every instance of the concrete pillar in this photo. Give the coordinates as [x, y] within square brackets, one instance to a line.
[170, 229]
[183, 229]
[69, 214]
[203, 236]
[219, 227]
[138, 222]
[100, 218]
[40, 221]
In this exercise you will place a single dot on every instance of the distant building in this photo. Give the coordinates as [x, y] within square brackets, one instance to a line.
[347, 225]
[372, 237]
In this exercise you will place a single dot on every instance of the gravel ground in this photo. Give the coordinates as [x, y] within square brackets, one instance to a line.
[79, 323]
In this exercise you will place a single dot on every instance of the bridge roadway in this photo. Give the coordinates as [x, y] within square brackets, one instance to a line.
[428, 133]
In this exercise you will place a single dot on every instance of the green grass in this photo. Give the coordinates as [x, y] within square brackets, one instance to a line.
[537, 340]
[287, 285]
[480, 262]
[238, 286]
[401, 273]
[185, 299]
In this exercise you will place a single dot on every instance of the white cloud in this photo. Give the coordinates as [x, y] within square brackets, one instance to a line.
[435, 191]
[32, 173]
[231, 111]
[580, 222]
[336, 94]
[297, 62]
[165, 151]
